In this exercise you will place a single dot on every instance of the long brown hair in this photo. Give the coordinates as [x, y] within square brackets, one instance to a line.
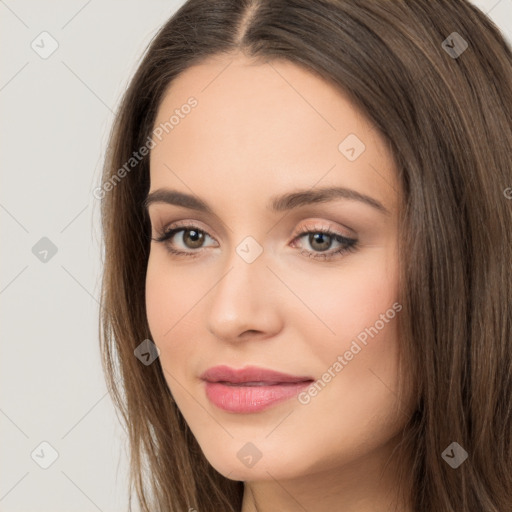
[443, 103]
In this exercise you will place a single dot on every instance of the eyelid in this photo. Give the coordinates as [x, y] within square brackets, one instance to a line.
[185, 224]
[159, 215]
[320, 226]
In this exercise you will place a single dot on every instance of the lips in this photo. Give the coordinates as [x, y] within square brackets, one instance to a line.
[250, 389]
[250, 375]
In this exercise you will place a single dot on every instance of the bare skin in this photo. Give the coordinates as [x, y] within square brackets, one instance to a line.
[260, 130]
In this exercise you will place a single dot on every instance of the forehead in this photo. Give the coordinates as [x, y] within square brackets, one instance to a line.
[261, 127]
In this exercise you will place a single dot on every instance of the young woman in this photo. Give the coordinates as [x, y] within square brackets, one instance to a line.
[307, 283]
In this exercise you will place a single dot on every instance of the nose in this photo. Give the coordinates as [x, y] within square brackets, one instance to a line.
[244, 303]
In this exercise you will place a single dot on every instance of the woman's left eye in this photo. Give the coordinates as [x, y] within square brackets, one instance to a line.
[322, 238]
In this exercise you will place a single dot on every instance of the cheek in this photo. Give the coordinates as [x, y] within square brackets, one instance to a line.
[167, 297]
[173, 310]
[349, 300]
[354, 335]
[157, 300]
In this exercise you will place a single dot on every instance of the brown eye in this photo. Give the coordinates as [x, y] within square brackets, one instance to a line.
[190, 243]
[320, 241]
[192, 238]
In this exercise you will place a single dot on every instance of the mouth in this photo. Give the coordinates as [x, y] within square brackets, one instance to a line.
[226, 383]
[250, 389]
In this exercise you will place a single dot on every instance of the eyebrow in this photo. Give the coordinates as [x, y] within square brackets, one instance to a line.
[285, 202]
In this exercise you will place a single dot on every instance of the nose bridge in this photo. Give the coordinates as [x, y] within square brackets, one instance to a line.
[242, 280]
[241, 299]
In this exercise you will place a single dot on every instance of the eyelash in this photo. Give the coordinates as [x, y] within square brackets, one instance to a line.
[350, 244]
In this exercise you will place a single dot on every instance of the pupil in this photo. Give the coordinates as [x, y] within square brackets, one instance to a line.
[195, 237]
[318, 237]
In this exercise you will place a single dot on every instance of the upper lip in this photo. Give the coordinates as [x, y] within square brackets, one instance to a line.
[249, 374]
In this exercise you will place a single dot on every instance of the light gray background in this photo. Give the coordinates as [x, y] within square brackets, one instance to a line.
[56, 114]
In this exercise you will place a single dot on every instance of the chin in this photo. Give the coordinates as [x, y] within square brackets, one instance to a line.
[243, 461]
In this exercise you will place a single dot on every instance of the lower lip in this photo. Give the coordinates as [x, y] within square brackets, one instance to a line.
[247, 399]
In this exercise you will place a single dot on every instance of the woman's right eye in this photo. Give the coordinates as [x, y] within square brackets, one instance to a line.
[192, 238]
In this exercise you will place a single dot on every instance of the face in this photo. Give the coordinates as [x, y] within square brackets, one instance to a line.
[258, 280]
